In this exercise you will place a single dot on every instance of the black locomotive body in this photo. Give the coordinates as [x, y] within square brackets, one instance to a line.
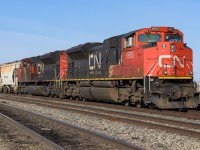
[38, 74]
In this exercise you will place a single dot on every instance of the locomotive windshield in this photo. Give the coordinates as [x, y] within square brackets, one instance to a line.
[173, 38]
[149, 37]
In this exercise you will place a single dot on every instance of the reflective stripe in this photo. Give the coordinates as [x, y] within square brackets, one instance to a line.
[175, 77]
[102, 79]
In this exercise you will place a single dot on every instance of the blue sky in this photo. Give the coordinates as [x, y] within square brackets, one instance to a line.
[29, 28]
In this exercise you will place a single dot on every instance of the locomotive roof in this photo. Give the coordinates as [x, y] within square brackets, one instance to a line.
[130, 33]
[87, 46]
[82, 47]
[81, 51]
[123, 35]
[17, 61]
[51, 57]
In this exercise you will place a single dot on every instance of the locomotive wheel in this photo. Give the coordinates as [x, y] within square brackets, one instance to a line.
[127, 103]
[138, 104]
[152, 106]
[61, 95]
[5, 90]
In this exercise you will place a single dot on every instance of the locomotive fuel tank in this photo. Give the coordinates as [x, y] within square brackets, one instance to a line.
[99, 90]
[99, 93]
[38, 90]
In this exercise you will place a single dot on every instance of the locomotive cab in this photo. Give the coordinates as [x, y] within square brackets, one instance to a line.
[167, 68]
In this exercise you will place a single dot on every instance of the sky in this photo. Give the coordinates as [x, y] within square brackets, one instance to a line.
[35, 27]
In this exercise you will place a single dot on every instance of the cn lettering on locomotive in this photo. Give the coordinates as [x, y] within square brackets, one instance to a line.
[94, 60]
[175, 59]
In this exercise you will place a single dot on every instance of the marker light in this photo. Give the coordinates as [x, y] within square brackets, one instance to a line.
[163, 45]
[172, 48]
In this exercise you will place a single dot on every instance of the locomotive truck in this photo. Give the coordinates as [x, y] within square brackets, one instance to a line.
[150, 67]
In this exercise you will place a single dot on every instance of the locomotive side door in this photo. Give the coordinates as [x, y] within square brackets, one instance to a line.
[130, 62]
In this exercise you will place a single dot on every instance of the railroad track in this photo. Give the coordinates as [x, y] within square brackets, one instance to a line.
[191, 114]
[81, 137]
[187, 127]
[37, 137]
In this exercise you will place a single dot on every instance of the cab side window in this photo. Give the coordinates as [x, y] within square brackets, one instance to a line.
[128, 42]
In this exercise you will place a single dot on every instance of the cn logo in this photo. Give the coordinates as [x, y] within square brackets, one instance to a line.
[175, 59]
[94, 60]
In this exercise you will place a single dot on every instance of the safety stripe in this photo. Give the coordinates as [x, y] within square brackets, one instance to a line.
[102, 79]
[86, 79]
[105, 79]
[175, 77]
[39, 81]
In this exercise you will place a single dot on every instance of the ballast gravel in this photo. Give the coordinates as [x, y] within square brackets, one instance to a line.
[4, 146]
[146, 138]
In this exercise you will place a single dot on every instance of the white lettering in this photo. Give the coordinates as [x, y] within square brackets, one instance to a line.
[178, 60]
[175, 59]
[162, 57]
[96, 59]
[91, 56]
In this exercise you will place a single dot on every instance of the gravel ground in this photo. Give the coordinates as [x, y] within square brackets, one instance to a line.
[13, 139]
[150, 139]
[4, 145]
[142, 113]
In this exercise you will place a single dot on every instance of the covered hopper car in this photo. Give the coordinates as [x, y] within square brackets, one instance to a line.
[8, 77]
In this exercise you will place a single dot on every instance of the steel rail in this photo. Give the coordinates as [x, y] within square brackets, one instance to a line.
[113, 114]
[138, 121]
[106, 139]
[45, 142]
[169, 113]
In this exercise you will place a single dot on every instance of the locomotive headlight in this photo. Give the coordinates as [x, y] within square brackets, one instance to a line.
[191, 72]
[172, 48]
[165, 72]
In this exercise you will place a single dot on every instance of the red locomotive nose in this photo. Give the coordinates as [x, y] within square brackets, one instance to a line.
[174, 60]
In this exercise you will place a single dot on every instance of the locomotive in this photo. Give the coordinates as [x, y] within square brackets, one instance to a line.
[148, 67]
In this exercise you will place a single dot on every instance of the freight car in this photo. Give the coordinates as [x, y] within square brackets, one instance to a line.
[150, 67]
[8, 77]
